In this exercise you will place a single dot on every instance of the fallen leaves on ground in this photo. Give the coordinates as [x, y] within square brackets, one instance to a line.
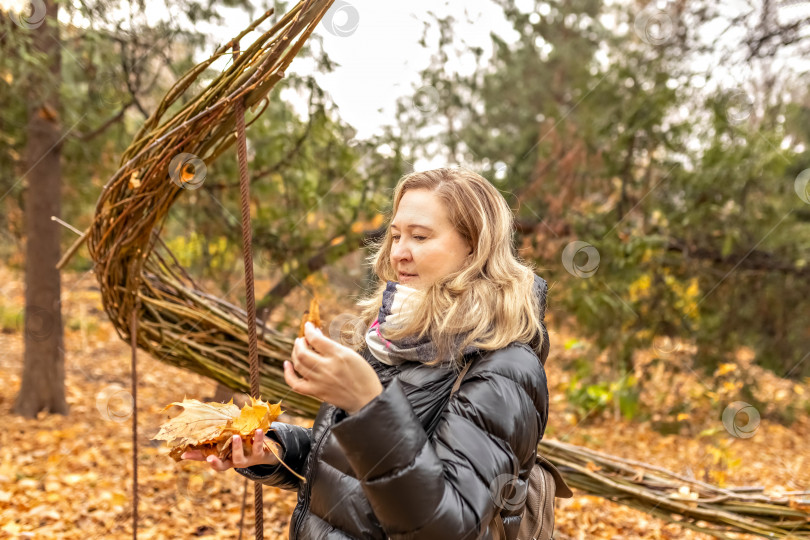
[70, 477]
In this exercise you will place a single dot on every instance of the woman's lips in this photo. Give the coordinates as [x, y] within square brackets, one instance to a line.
[406, 276]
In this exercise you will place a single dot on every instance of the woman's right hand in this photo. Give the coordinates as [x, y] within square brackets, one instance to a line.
[261, 455]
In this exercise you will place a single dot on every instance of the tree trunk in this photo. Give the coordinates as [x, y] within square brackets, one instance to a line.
[43, 376]
[223, 394]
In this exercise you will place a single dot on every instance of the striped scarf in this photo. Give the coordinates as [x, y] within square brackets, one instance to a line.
[398, 305]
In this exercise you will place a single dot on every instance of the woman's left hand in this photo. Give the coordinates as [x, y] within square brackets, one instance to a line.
[331, 372]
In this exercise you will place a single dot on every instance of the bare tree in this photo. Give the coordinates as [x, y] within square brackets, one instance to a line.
[43, 386]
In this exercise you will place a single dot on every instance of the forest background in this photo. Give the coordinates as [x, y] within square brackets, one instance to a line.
[655, 155]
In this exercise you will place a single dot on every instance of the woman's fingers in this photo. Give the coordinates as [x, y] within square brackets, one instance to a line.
[318, 341]
[194, 455]
[305, 361]
[238, 458]
[219, 465]
[237, 454]
[258, 444]
[215, 463]
[295, 382]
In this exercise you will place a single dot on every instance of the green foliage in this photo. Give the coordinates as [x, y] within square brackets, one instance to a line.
[196, 251]
[14, 59]
[589, 397]
[76, 324]
[10, 318]
[683, 186]
[112, 73]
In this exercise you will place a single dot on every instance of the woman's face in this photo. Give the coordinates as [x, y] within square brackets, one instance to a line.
[424, 246]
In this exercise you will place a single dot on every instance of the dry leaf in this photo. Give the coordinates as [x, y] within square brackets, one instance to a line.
[134, 180]
[593, 467]
[725, 368]
[46, 112]
[312, 315]
[684, 493]
[208, 427]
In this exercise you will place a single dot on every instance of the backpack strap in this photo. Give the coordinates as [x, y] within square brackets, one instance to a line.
[496, 526]
[457, 384]
[561, 489]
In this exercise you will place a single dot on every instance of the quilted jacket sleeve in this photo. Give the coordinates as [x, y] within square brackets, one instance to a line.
[449, 485]
[295, 444]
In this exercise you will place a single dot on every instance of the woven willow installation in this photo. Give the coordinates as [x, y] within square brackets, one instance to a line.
[178, 323]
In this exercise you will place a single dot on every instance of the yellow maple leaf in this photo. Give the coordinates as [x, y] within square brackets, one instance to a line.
[258, 415]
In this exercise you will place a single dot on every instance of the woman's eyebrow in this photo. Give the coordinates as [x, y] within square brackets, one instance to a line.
[413, 226]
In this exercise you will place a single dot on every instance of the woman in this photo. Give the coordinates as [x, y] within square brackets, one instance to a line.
[391, 452]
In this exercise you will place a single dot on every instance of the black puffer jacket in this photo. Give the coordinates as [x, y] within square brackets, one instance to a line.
[415, 463]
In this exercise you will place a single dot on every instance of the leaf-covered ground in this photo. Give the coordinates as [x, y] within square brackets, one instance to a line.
[71, 477]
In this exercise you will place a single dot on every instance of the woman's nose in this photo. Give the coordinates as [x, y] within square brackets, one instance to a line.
[399, 251]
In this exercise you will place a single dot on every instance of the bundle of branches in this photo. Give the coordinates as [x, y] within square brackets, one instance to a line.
[697, 505]
[178, 323]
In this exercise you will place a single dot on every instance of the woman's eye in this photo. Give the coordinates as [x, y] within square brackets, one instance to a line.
[395, 237]
[420, 238]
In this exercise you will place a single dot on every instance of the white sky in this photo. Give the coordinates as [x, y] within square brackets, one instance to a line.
[380, 60]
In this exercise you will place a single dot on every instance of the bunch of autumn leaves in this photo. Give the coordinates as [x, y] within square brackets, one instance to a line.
[210, 427]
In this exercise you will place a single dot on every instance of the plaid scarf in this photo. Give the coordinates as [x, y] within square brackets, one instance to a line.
[398, 305]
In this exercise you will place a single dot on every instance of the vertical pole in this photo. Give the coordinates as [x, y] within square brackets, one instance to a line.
[247, 253]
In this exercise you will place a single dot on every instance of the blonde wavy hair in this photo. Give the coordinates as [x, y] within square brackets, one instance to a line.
[494, 283]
